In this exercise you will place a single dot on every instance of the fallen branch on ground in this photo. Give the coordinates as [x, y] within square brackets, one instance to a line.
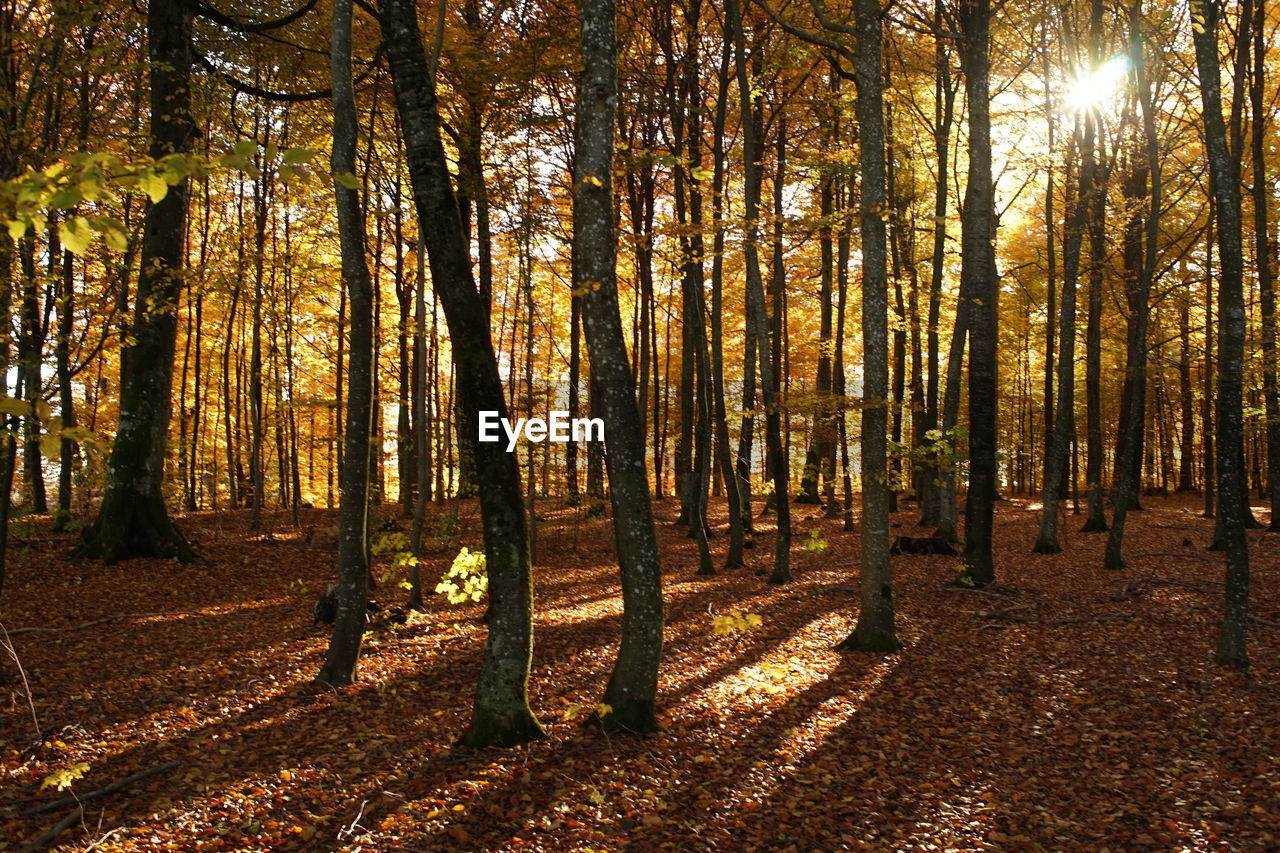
[1133, 587]
[1072, 620]
[120, 617]
[46, 838]
[980, 591]
[76, 799]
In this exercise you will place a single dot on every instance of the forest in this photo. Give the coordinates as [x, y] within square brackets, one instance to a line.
[799, 425]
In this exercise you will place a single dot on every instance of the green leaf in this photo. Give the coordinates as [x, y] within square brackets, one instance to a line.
[51, 446]
[297, 156]
[176, 169]
[245, 148]
[17, 228]
[14, 406]
[699, 174]
[64, 199]
[112, 232]
[347, 180]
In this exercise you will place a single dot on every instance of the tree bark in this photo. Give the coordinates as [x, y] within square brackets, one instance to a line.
[981, 278]
[133, 520]
[632, 688]
[353, 569]
[757, 318]
[1262, 188]
[875, 630]
[500, 713]
[1224, 171]
[1128, 458]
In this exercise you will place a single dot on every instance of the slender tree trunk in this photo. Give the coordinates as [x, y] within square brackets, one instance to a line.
[978, 271]
[1224, 171]
[500, 714]
[1187, 445]
[875, 630]
[632, 690]
[944, 95]
[1127, 467]
[724, 454]
[757, 318]
[1262, 189]
[1056, 452]
[353, 568]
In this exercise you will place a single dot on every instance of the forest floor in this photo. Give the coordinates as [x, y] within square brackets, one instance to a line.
[984, 733]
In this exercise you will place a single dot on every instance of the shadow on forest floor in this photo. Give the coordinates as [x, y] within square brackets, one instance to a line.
[983, 733]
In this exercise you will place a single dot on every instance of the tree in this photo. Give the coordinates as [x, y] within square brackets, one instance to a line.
[634, 682]
[133, 520]
[757, 319]
[1141, 260]
[1224, 173]
[980, 279]
[353, 509]
[875, 631]
[500, 712]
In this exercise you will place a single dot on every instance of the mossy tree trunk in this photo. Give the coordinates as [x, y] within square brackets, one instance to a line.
[875, 631]
[500, 712]
[133, 520]
[353, 562]
[1224, 171]
[633, 685]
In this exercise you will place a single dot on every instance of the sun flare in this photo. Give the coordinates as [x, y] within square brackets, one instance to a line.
[1090, 90]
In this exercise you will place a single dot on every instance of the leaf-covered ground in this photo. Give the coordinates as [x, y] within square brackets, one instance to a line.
[1004, 724]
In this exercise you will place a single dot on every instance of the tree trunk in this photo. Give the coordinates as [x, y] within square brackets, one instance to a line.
[133, 520]
[633, 685]
[1129, 454]
[944, 95]
[875, 630]
[1224, 171]
[979, 275]
[1056, 452]
[500, 713]
[1262, 188]
[353, 568]
[757, 318]
[724, 453]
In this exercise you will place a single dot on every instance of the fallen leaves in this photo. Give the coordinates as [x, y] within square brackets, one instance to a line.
[1086, 736]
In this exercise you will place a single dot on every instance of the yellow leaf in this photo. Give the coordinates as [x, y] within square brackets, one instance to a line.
[61, 779]
[154, 186]
[75, 234]
[17, 228]
[592, 180]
